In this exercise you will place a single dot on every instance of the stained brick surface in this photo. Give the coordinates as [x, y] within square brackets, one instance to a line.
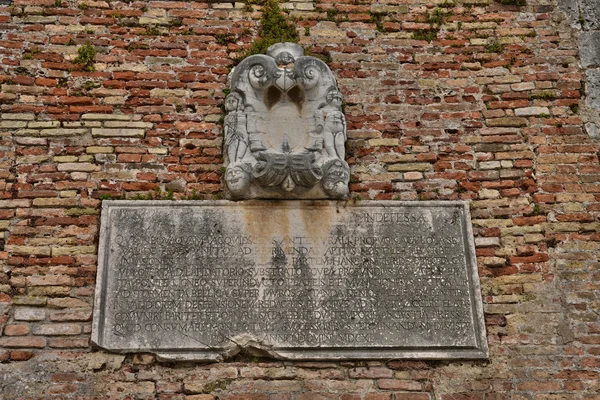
[488, 112]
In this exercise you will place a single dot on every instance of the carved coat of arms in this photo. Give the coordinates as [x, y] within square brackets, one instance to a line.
[285, 132]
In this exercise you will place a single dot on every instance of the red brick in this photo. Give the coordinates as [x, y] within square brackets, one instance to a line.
[539, 386]
[66, 377]
[129, 158]
[463, 396]
[418, 396]
[378, 396]
[168, 387]
[375, 372]
[17, 330]
[523, 221]
[63, 388]
[21, 355]
[23, 341]
[397, 384]
[571, 374]
[63, 343]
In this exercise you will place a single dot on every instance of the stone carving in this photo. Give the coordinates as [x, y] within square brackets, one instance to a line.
[285, 131]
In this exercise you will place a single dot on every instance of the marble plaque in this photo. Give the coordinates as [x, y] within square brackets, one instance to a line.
[288, 279]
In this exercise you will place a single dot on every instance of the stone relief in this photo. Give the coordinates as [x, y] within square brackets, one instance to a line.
[285, 131]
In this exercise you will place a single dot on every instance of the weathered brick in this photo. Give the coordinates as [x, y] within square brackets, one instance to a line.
[56, 329]
[55, 202]
[50, 280]
[43, 124]
[63, 132]
[23, 341]
[507, 121]
[80, 315]
[375, 372]
[397, 384]
[21, 355]
[15, 203]
[73, 250]
[49, 290]
[99, 150]
[132, 387]
[383, 142]
[28, 250]
[529, 111]
[12, 124]
[18, 116]
[17, 330]
[120, 132]
[105, 117]
[404, 167]
[67, 302]
[200, 397]
[83, 167]
[30, 300]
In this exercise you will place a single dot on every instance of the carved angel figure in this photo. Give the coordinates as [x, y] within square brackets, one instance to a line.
[334, 129]
[236, 133]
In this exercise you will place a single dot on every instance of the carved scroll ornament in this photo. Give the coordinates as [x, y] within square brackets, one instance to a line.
[285, 131]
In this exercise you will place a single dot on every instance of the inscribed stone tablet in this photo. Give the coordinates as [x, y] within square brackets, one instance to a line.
[296, 279]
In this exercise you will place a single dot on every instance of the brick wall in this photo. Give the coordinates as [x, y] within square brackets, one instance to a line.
[487, 111]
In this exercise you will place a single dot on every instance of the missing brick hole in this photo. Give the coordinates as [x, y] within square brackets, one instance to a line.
[2, 243]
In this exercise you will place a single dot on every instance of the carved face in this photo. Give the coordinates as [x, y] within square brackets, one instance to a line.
[238, 180]
[334, 98]
[336, 173]
[232, 102]
[335, 181]
[337, 191]
[284, 58]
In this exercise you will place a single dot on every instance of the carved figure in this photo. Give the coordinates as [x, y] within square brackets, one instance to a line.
[285, 131]
[236, 134]
[334, 125]
[335, 179]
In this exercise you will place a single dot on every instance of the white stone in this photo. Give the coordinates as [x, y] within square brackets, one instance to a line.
[275, 280]
[531, 111]
[30, 314]
[285, 132]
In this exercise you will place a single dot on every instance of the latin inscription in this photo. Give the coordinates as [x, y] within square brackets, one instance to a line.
[368, 278]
